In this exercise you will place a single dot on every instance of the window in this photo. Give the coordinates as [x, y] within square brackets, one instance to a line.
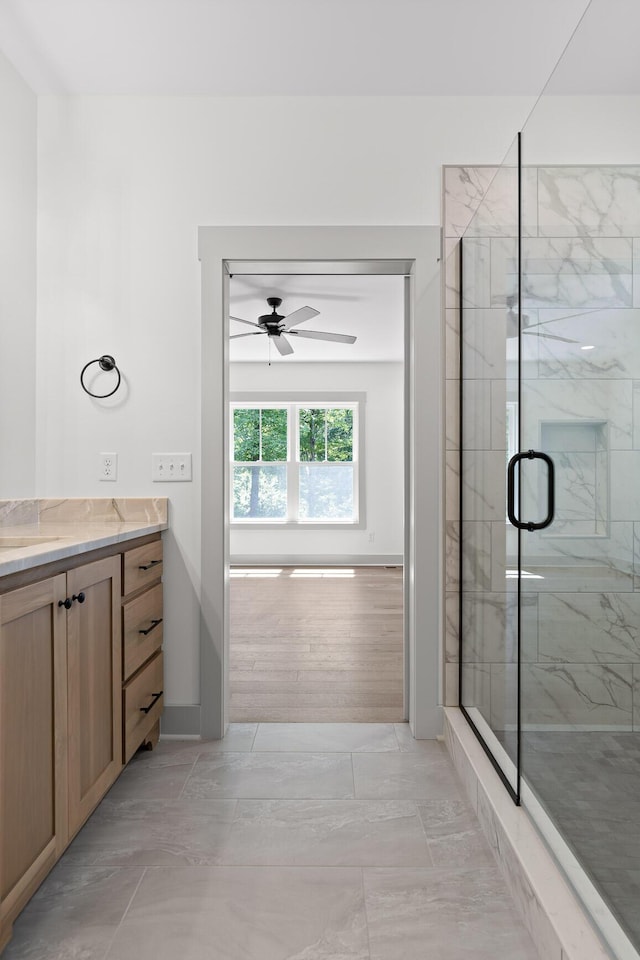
[295, 462]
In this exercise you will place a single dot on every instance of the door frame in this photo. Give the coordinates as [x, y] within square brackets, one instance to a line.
[412, 252]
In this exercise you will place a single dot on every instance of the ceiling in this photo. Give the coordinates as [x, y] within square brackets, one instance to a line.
[311, 47]
[368, 307]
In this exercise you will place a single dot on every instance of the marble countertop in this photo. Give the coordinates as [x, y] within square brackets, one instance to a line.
[67, 528]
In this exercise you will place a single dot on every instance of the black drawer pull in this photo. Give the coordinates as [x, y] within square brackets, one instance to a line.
[147, 566]
[154, 624]
[156, 697]
[65, 603]
[80, 597]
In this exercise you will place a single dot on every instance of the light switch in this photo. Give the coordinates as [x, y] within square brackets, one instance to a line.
[170, 467]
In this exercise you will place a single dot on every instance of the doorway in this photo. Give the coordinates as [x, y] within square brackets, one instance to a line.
[412, 253]
[316, 475]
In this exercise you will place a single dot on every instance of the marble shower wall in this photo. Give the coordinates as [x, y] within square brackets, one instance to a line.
[581, 619]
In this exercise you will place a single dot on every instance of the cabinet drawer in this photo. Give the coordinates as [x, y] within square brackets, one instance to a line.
[141, 629]
[139, 696]
[142, 566]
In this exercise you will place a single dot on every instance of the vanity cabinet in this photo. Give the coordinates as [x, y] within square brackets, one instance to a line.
[81, 689]
[142, 666]
[94, 652]
[33, 741]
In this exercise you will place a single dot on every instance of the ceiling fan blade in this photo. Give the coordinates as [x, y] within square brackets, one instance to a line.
[258, 333]
[550, 336]
[299, 316]
[283, 346]
[318, 335]
[248, 322]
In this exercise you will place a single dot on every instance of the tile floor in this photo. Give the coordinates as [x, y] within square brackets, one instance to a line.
[282, 842]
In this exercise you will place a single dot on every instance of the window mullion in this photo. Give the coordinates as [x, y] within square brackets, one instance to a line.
[293, 477]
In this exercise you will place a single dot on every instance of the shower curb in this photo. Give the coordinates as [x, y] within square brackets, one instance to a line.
[551, 912]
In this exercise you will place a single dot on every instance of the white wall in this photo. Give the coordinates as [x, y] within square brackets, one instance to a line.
[124, 183]
[384, 473]
[18, 117]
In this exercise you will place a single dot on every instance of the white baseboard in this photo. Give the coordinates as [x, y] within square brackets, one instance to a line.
[317, 560]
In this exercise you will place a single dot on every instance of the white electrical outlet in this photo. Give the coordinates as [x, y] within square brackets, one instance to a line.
[170, 467]
[108, 466]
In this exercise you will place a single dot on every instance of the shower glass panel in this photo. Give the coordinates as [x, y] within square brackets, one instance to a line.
[579, 393]
[490, 611]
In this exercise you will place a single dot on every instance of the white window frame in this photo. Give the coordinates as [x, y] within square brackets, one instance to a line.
[293, 402]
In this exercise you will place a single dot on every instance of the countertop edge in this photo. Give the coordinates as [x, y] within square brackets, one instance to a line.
[74, 545]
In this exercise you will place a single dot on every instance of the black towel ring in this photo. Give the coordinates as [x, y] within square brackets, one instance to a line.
[106, 363]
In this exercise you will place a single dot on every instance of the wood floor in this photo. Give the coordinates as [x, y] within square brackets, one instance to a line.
[311, 645]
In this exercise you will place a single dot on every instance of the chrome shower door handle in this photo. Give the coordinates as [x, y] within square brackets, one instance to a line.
[530, 525]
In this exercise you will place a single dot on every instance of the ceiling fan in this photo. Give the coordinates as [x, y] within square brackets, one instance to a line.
[274, 325]
[512, 325]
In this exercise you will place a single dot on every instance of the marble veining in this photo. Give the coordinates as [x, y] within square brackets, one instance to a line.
[489, 623]
[589, 627]
[576, 693]
[73, 527]
[18, 512]
[117, 509]
[463, 190]
[589, 201]
[570, 273]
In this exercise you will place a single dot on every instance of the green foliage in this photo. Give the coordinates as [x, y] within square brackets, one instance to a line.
[274, 435]
[246, 435]
[339, 434]
[312, 435]
[250, 425]
[326, 434]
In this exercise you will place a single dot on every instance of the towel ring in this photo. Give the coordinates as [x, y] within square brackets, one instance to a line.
[106, 363]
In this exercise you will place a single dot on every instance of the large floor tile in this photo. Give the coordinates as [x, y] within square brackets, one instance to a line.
[454, 835]
[74, 915]
[154, 832]
[443, 914]
[328, 832]
[327, 737]
[271, 776]
[245, 913]
[141, 780]
[426, 775]
[238, 739]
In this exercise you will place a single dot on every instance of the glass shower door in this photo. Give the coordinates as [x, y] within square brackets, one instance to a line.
[580, 676]
[489, 614]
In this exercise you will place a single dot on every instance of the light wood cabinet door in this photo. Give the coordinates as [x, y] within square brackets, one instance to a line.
[33, 740]
[94, 650]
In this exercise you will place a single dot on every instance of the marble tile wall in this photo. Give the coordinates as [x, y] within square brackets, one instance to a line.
[581, 261]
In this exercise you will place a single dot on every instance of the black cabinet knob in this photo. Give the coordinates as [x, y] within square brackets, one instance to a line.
[65, 603]
[80, 597]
